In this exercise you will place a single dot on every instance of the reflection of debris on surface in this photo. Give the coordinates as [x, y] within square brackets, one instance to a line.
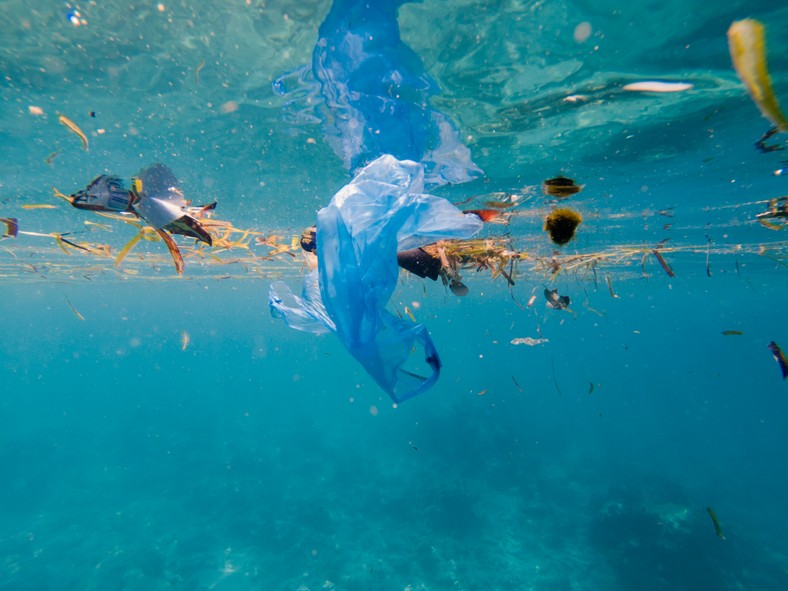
[561, 187]
[561, 224]
[779, 357]
[778, 208]
[747, 44]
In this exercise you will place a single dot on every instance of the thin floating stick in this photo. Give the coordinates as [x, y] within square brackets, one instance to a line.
[74, 310]
[663, 263]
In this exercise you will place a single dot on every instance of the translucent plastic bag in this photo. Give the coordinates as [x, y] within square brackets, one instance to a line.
[381, 211]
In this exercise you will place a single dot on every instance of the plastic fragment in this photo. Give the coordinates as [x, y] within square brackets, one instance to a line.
[382, 211]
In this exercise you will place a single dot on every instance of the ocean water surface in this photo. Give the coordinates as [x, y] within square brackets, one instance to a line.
[163, 431]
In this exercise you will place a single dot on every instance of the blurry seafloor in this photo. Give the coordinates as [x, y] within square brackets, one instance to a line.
[254, 457]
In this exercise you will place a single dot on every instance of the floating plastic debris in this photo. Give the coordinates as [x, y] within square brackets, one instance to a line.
[530, 341]
[155, 197]
[382, 211]
[657, 86]
[555, 301]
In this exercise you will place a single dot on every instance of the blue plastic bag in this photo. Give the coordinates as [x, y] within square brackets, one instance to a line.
[381, 211]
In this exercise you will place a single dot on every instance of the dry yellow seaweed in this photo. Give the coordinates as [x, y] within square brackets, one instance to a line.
[177, 257]
[747, 44]
[127, 248]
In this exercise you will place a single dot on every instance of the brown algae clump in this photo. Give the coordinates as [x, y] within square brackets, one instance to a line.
[561, 224]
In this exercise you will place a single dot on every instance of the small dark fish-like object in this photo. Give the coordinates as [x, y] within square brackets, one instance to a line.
[779, 357]
[731, 333]
[561, 187]
[717, 526]
[556, 301]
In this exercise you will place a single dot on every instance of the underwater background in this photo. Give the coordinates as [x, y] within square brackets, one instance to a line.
[164, 432]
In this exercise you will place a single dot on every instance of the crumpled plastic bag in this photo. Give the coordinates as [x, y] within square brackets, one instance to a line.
[381, 211]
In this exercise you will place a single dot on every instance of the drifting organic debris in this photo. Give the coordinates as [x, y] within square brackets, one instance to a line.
[747, 44]
[561, 224]
[716, 522]
[74, 128]
[778, 209]
[74, 310]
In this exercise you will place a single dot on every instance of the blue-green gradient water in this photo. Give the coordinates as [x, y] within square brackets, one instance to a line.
[257, 457]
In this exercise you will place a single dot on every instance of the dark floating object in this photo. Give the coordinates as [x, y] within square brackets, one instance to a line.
[717, 526]
[458, 288]
[420, 263]
[11, 227]
[309, 239]
[556, 301]
[779, 357]
[561, 187]
[561, 224]
[732, 333]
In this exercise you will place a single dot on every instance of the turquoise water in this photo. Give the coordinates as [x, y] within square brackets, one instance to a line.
[256, 457]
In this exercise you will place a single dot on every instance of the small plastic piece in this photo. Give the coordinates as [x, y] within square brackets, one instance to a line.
[382, 211]
[156, 197]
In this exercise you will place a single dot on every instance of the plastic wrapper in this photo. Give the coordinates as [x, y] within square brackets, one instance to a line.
[161, 199]
[156, 198]
[382, 211]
